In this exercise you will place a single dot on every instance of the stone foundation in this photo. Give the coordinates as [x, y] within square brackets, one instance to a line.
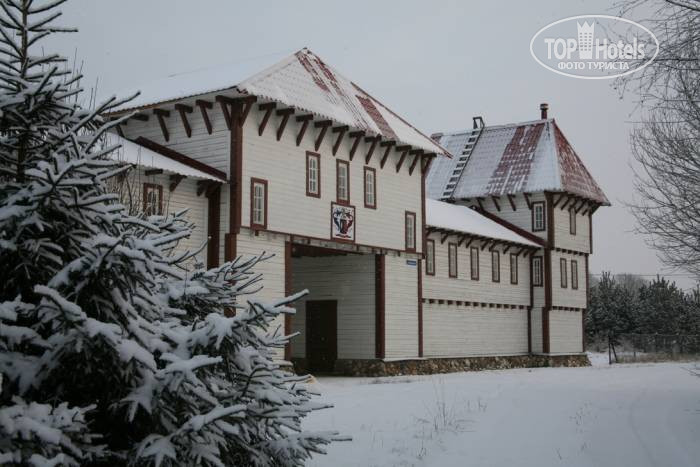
[429, 366]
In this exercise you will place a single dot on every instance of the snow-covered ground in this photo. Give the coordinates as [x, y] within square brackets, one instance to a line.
[625, 415]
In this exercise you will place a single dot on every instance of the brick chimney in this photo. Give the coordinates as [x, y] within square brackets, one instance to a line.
[543, 110]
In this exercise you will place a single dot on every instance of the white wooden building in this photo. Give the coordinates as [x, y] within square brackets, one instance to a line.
[296, 160]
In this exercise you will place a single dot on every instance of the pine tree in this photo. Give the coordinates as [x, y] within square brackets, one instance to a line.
[111, 353]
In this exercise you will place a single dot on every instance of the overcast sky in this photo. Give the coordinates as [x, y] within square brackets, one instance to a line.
[435, 63]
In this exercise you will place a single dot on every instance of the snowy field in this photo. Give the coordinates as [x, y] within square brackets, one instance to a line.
[625, 415]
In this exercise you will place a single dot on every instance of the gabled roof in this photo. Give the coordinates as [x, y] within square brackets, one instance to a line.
[133, 153]
[508, 159]
[303, 81]
[458, 218]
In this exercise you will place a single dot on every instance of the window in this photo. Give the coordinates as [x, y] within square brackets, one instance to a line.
[538, 219]
[452, 253]
[430, 257]
[537, 271]
[152, 199]
[495, 266]
[474, 260]
[342, 181]
[313, 174]
[572, 222]
[574, 274]
[562, 270]
[410, 231]
[513, 268]
[370, 188]
[258, 203]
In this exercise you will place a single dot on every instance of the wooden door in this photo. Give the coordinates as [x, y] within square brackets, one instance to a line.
[321, 335]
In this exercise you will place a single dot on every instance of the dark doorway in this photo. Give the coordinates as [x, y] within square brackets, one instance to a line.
[321, 335]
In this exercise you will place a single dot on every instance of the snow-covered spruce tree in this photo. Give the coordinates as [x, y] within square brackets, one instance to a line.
[110, 352]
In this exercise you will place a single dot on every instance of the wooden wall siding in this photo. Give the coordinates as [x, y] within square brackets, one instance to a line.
[568, 297]
[566, 333]
[441, 286]
[521, 217]
[283, 164]
[211, 149]
[563, 239]
[272, 270]
[401, 312]
[452, 331]
[536, 329]
[348, 279]
[184, 197]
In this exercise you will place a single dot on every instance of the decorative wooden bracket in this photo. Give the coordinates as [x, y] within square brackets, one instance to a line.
[267, 107]
[496, 203]
[385, 157]
[247, 105]
[140, 117]
[480, 202]
[223, 103]
[175, 180]
[162, 115]
[152, 172]
[444, 237]
[527, 200]
[374, 140]
[203, 106]
[511, 199]
[285, 114]
[404, 151]
[183, 110]
[304, 119]
[341, 130]
[418, 155]
[323, 125]
[358, 136]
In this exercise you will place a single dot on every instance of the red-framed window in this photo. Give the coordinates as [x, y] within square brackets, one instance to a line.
[537, 271]
[562, 271]
[474, 262]
[539, 218]
[370, 177]
[313, 174]
[495, 266]
[430, 257]
[342, 182]
[258, 203]
[152, 199]
[452, 259]
[410, 227]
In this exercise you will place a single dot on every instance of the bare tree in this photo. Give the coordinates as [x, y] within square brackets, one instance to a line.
[666, 142]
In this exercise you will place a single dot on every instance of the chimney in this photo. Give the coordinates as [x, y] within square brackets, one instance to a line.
[543, 110]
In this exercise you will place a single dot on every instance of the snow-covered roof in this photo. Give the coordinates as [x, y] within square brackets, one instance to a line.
[132, 153]
[463, 219]
[301, 80]
[517, 158]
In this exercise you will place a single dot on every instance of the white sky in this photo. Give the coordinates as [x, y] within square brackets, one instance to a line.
[436, 63]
